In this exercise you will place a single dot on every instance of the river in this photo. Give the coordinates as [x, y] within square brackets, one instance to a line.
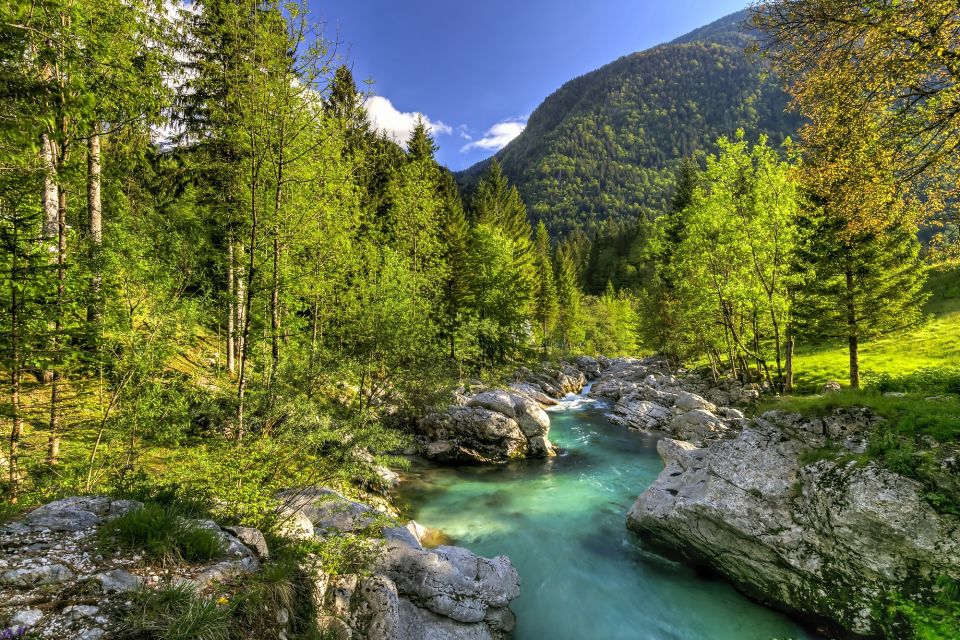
[561, 521]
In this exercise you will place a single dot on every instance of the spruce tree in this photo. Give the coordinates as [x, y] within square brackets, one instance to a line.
[545, 305]
[860, 287]
[570, 322]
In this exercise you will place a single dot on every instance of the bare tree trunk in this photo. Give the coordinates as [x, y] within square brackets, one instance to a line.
[852, 337]
[231, 311]
[854, 362]
[240, 303]
[788, 379]
[53, 443]
[95, 208]
[16, 430]
[781, 382]
[275, 312]
[275, 288]
[246, 292]
[50, 196]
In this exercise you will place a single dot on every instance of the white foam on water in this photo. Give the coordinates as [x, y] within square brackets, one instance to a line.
[574, 401]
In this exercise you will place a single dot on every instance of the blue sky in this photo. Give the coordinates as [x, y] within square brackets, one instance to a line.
[477, 69]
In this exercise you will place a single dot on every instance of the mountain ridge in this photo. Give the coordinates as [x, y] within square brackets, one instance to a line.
[605, 144]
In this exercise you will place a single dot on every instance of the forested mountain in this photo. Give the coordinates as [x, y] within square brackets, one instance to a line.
[606, 144]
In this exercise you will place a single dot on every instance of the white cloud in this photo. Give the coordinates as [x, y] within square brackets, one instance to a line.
[397, 124]
[497, 136]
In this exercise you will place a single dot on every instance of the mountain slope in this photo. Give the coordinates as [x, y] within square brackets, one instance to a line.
[604, 146]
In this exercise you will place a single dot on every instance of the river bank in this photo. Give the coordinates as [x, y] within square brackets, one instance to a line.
[560, 520]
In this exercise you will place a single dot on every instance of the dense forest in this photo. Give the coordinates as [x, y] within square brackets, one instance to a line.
[219, 280]
[205, 241]
[605, 145]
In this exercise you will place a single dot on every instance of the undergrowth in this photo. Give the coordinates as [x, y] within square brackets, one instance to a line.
[163, 534]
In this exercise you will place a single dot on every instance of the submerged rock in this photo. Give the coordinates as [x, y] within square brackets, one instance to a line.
[828, 539]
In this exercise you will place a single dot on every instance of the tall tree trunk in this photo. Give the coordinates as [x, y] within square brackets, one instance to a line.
[781, 382]
[231, 311]
[16, 430]
[788, 379]
[852, 337]
[50, 197]
[53, 443]
[275, 283]
[854, 362]
[95, 231]
[275, 313]
[246, 292]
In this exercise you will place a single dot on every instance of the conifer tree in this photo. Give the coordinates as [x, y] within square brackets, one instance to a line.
[859, 287]
[569, 326]
[545, 305]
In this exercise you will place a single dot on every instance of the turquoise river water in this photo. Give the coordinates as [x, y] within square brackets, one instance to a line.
[561, 521]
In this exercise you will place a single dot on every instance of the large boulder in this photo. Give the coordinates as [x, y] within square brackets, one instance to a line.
[473, 434]
[639, 414]
[827, 539]
[491, 426]
[698, 426]
[410, 592]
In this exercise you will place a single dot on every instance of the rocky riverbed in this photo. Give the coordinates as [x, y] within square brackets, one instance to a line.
[500, 424]
[784, 506]
[57, 581]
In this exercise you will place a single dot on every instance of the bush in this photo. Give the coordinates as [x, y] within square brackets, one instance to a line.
[930, 380]
[163, 534]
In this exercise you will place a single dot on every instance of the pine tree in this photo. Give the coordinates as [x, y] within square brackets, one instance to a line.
[569, 327]
[860, 287]
[545, 304]
[454, 232]
[420, 146]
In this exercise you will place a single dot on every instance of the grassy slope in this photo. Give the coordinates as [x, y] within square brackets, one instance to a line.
[936, 344]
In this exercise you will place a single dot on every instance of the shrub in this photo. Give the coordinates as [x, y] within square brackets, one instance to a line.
[163, 534]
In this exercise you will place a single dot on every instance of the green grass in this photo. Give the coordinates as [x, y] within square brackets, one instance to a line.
[911, 414]
[163, 534]
[934, 345]
[176, 612]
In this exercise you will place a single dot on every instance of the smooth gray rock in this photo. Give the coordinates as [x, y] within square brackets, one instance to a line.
[475, 434]
[326, 510]
[252, 538]
[420, 624]
[498, 401]
[698, 426]
[687, 401]
[671, 450]
[36, 575]
[827, 539]
[118, 581]
[639, 414]
[416, 593]
[26, 618]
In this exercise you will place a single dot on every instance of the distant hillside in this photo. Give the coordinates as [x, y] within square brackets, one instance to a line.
[604, 146]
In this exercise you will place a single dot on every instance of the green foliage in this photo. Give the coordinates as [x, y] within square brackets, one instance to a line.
[176, 612]
[611, 324]
[606, 144]
[724, 283]
[905, 618]
[816, 455]
[932, 345]
[163, 534]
